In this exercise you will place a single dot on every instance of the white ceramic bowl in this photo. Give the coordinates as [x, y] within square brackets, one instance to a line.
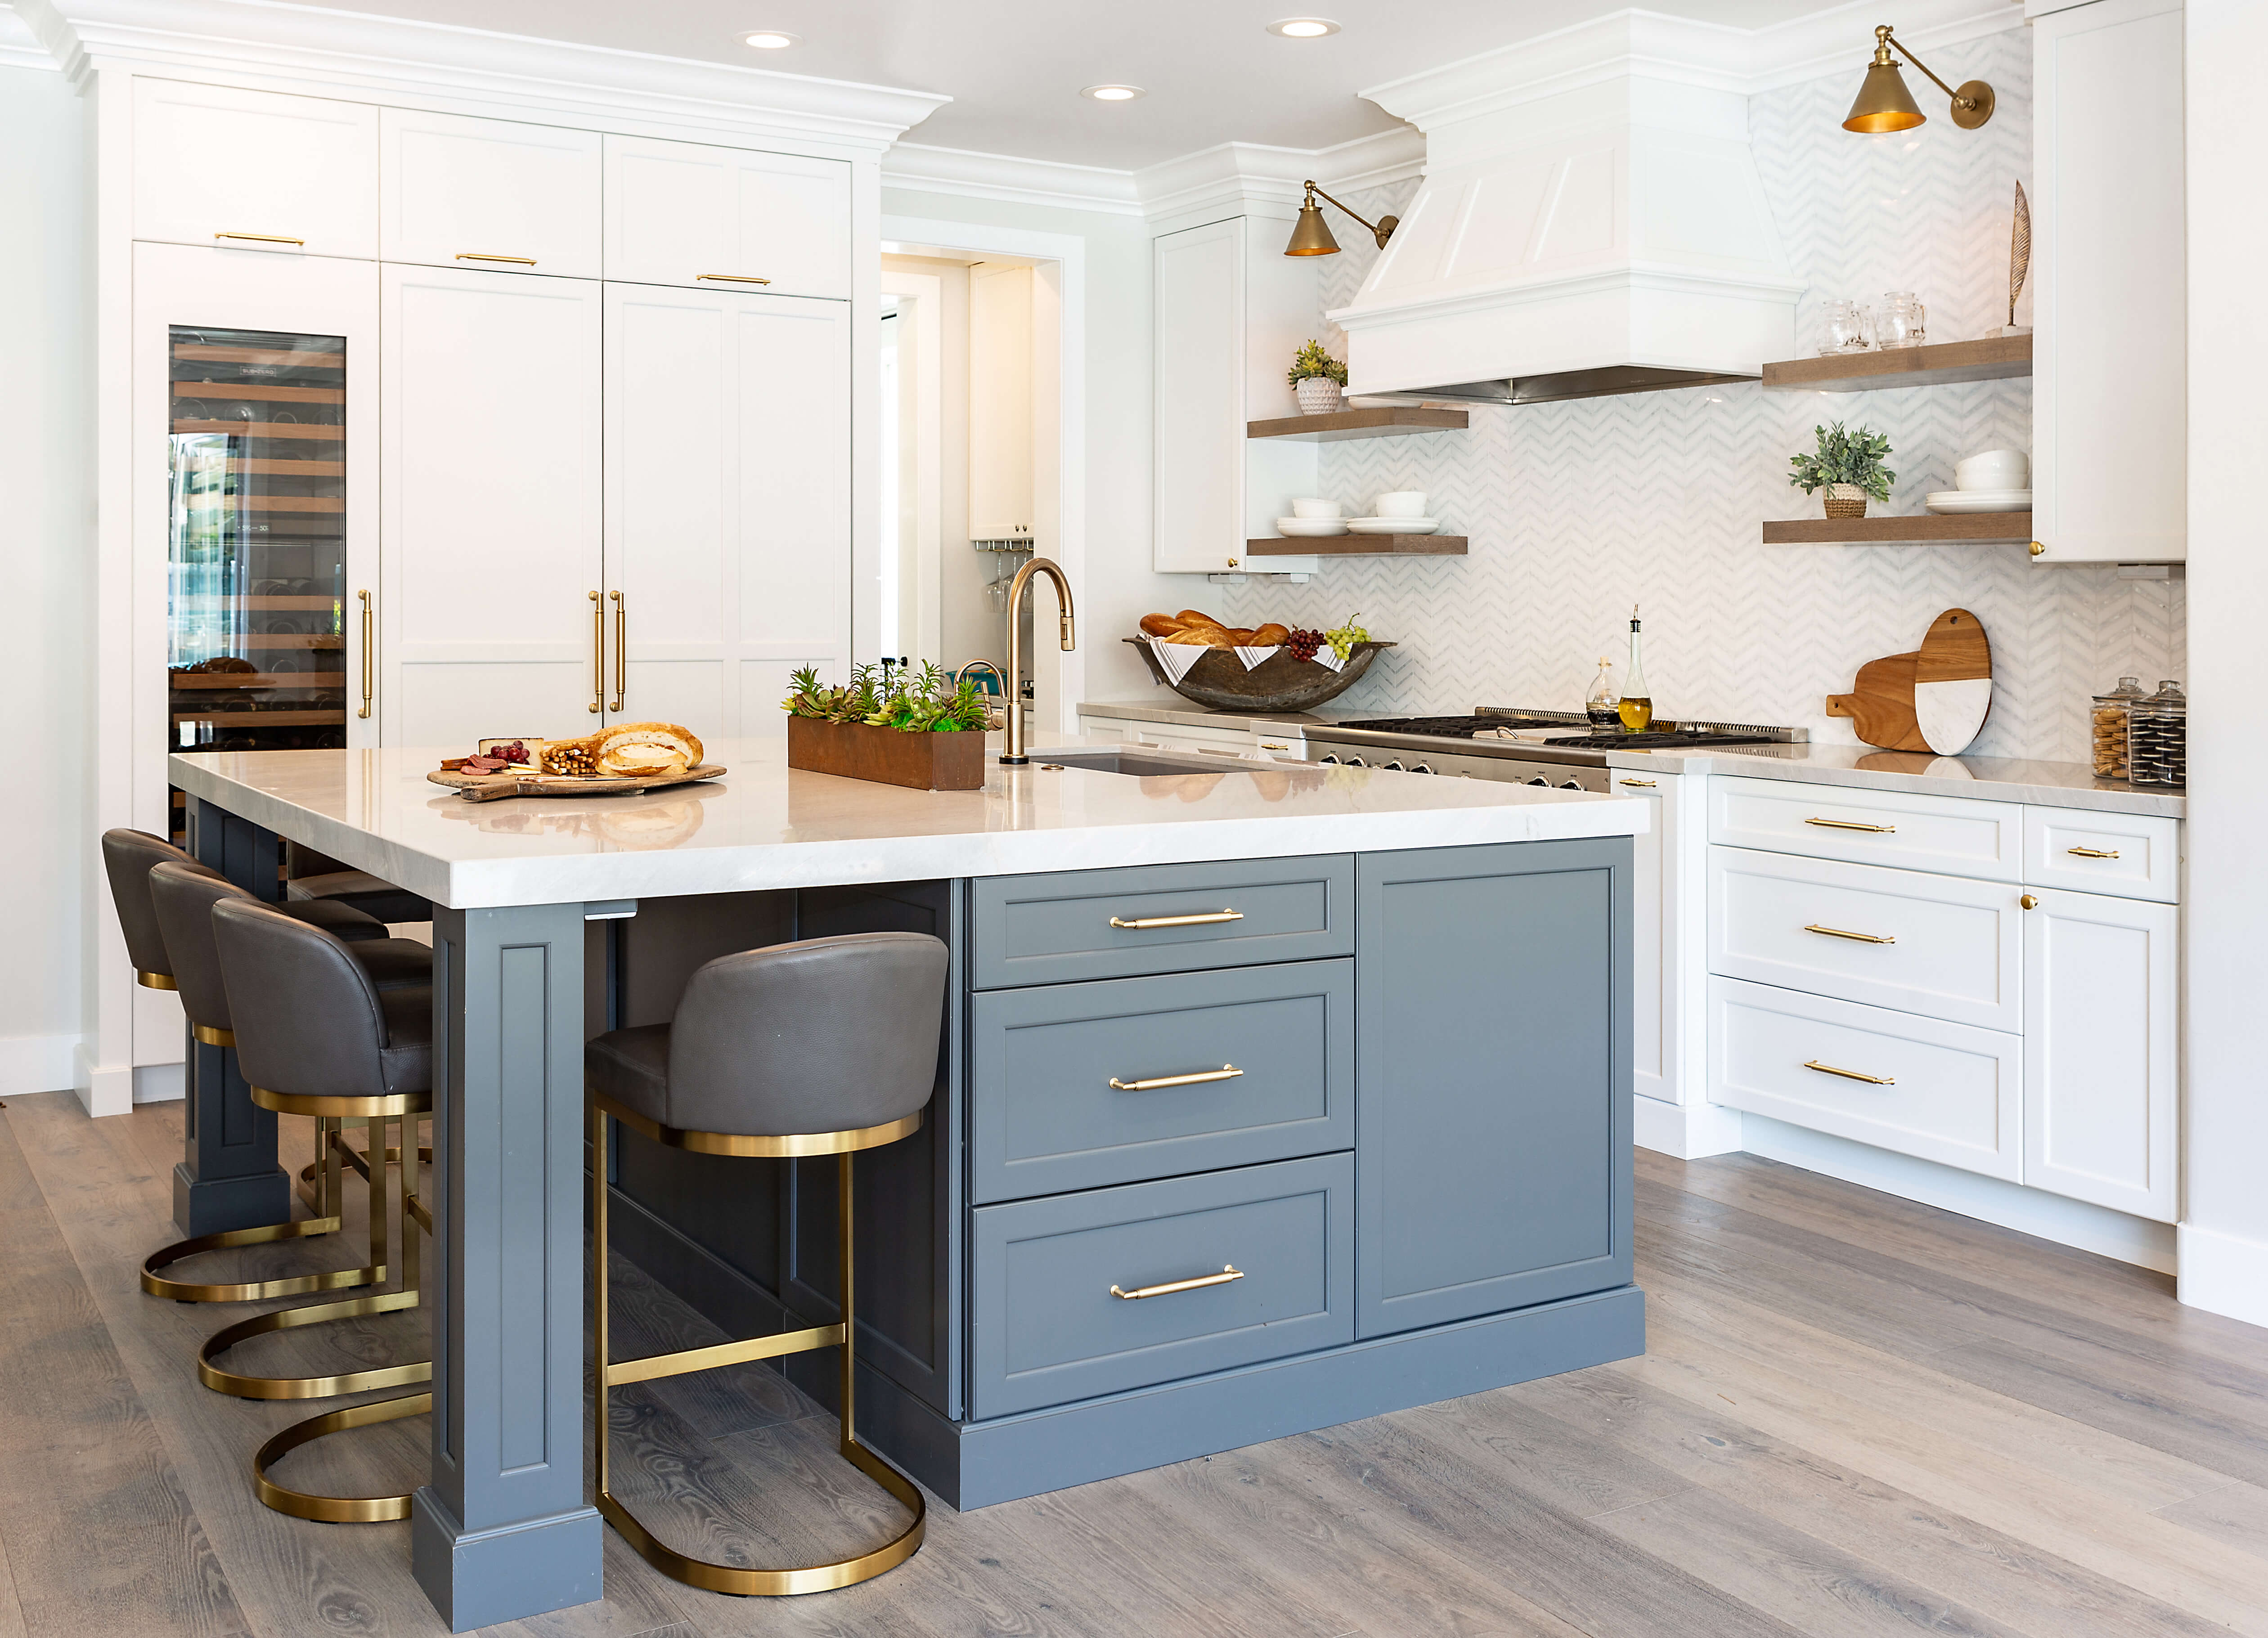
[1315, 509]
[1402, 503]
[1994, 469]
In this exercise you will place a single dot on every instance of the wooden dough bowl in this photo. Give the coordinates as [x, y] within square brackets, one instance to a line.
[1279, 683]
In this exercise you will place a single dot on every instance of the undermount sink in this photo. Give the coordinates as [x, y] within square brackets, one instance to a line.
[1141, 763]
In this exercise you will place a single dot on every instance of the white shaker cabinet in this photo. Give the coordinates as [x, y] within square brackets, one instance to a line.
[1000, 402]
[489, 612]
[2101, 1064]
[691, 213]
[254, 169]
[456, 192]
[2109, 283]
[728, 502]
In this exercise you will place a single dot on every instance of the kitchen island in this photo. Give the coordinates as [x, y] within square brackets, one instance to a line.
[1418, 1173]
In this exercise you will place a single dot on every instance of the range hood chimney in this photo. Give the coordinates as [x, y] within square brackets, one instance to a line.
[1591, 222]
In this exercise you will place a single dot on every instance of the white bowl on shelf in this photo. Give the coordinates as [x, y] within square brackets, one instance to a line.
[1994, 471]
[1316, 509]
[1978, 501]
[1394, 526]
[1401, 503]
[1310, 528]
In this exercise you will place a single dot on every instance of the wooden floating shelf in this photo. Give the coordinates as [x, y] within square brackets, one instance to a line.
[1340, 424]
[267, 719]
[260, 429]
[1359, 546]
[1994, 358]
[1929, 529]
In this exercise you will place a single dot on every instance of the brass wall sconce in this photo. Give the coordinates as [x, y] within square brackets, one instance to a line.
[1885, 105]
[1311, 235]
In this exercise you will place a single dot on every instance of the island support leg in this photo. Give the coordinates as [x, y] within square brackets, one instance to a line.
[503, 1531]
[228, 1178]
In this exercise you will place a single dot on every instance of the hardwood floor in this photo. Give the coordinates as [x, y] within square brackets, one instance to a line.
[1855, 1416]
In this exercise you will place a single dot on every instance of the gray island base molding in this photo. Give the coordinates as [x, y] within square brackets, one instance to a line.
[1262, 1106]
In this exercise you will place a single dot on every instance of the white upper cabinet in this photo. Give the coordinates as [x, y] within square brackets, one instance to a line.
[1000, 402]
[2110, 382]
[488, 194]
[254, 171]
[688, 213]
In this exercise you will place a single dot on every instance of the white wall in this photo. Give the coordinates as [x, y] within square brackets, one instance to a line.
[46, 359]
[2224, 1236]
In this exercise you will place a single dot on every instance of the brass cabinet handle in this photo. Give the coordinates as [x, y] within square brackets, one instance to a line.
[1849, 1075]
[1226, 1072]
[1647, 782]
[2029, 902]
[1836, 932]
[265, 239]
[364, 596]
[732, 279]
[2091, 853]
[1851, 825]
[1228, 1271]
[1206, 919]
[598, 654]
[2038, 548]
[475, 255]
[622, 642]
[1267, 745]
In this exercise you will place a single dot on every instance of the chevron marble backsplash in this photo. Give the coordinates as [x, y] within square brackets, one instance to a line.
[1577, 511]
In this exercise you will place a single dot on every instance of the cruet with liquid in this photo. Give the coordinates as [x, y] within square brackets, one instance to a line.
[1602, 704]
[1635, 707]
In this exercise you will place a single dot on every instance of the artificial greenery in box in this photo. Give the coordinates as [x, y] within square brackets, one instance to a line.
[1852, 458]
[924, 702]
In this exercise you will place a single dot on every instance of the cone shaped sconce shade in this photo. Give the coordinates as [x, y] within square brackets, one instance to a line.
[1311, 235]
[1883, 103]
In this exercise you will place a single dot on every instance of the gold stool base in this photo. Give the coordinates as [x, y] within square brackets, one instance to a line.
[334, 1510]
[245, 1387]
[249, 1290]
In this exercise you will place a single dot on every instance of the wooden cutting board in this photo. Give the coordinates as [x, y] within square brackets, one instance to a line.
[496, 786]
[1933, 700]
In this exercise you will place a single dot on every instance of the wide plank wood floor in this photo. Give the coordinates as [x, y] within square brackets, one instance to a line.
[1855, 1416]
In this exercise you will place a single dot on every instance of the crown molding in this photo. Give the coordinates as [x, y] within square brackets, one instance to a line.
[252, 42]
[1010, 177]
[19, 47]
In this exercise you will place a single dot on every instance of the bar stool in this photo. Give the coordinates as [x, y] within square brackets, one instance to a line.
[306, 1016]
[821, 1048]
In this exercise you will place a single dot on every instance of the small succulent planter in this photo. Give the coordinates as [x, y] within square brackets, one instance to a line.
[1318, 380]
[1319, 396]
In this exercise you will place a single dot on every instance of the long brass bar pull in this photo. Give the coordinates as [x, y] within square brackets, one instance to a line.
[366, 630]
[265, 239]
[2091, 853]
[475, 255]
[1836, 932]
[1849, 1075]
[1228, 1271]
[1226, 1072]
[1209, 918]
[621, 646]
[598, 654]
[730, 278]
[1886, 830]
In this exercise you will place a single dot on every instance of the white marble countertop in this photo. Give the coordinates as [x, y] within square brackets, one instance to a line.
[763, 826]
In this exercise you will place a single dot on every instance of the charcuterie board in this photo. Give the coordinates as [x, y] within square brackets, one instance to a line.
[1934, 699]
[496, 786]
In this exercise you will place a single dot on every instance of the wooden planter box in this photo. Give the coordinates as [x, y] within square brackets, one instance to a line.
[954, 762]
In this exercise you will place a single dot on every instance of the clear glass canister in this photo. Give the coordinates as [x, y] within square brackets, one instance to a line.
[2109, 722]
[2157, 739]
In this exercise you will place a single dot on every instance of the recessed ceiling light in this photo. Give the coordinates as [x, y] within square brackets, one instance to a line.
[1304, 27]
[1111, 93]
[771, 40]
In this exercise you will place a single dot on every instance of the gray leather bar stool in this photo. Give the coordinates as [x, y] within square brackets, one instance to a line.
[821, 1048]
[314, 1036]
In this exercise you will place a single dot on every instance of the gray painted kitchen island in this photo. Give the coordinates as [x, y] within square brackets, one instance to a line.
[1415, 1183]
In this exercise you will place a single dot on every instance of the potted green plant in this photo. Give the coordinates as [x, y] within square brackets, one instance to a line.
[1849, 466]
[1318, 378]
[919, 729]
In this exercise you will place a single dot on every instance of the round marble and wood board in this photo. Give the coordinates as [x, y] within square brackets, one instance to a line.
[496, 786]
[1934, 700]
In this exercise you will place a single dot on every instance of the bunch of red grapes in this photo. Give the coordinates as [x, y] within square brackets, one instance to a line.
[1303, 644]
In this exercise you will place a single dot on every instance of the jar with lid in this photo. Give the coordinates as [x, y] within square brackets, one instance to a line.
[2108, 718]
[2157, 738]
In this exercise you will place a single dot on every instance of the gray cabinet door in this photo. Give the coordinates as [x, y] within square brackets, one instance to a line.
[1047, 1326]
[1066, 925]
[1045, 1115]
[1492, 1078]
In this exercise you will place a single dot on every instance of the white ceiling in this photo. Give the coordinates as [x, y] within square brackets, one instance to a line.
[1014, 67]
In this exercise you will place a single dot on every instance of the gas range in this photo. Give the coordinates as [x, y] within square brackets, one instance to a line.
[1556, 748]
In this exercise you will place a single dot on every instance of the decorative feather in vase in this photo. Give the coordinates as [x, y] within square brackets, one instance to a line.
[2020, 259]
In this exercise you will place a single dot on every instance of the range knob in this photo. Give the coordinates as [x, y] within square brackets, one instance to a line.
[1394, 766]
[1356, 761]
[1422, 767]
[1544, 782]
[1571, 784]
[1331, 760]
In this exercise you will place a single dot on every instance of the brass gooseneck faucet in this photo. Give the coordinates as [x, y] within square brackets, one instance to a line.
[1014, 754]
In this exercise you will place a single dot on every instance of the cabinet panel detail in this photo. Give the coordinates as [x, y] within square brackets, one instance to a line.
[2130, 855]
[734, 218]
[1957, 835]
[254, 171]
[456, 192]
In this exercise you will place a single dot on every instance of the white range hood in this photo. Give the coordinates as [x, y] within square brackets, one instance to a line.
[1591, 222]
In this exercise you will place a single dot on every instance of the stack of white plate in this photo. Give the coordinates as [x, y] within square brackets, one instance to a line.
[1394, 525]
[1978, 501]
[1308, 528]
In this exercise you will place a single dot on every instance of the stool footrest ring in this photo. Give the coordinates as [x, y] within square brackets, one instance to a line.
[309, 1387]
[248, 1290]
[334, 1510]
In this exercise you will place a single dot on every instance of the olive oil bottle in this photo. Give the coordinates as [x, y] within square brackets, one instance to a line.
[1637, 707]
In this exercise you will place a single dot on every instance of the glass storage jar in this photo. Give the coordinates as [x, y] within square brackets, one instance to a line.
[2157, 739]
[2109, 720]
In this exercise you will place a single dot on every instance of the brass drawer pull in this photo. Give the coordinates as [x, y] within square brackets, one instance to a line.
[621, 650]
[1270, 745]
[2091, 853]
[1647, 782]
[1226, 1072]
[598, 654]
[265, 239]
[1836, 932]
[1228, 1271]
[1207, 919]
[364, 596]
[475, 255]
[734, 278]
[1851, 825]
[1849, 1075]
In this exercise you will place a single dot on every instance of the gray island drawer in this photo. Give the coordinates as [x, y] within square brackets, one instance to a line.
[1046, 1327]
[1043, 1114]
[1056, 927]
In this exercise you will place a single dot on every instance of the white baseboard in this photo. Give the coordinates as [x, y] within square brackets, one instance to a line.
[1992, 1199]
[159, 1082]
[1688, 1131]
[102, 1089]
[36, 1063]
[2224, 1274]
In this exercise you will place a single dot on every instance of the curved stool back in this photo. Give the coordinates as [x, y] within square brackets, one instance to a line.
[128, 858]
